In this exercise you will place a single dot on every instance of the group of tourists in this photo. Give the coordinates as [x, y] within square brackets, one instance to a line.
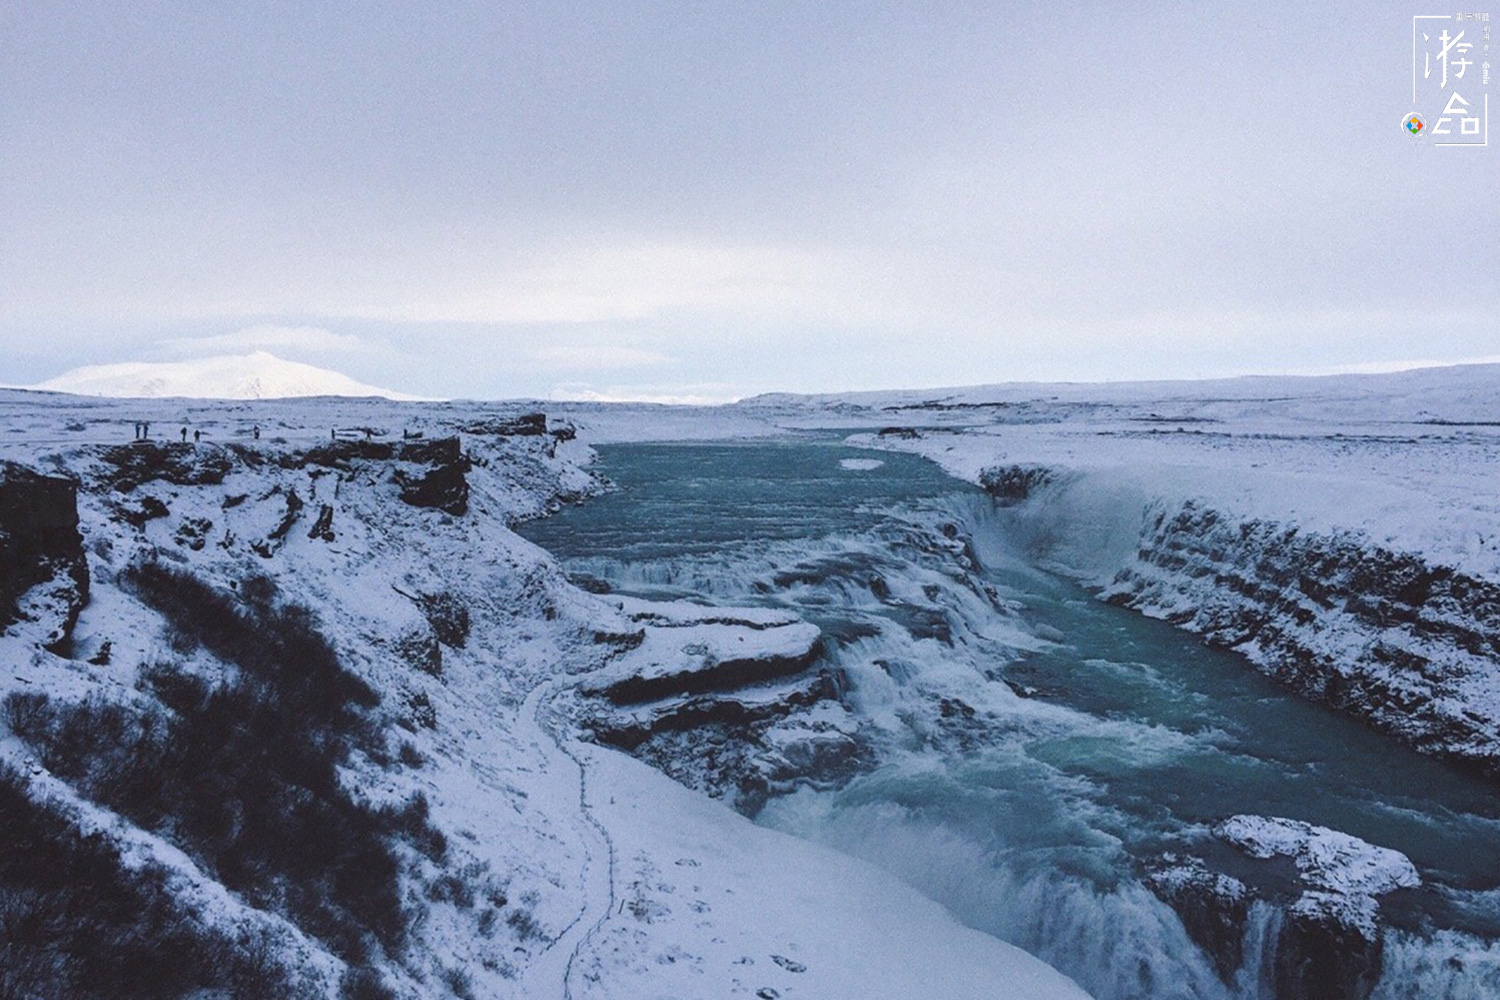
[143, 432]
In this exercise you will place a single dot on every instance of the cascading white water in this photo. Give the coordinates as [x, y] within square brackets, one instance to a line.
[1036, 748]
[1446, 964]
[1118, 941]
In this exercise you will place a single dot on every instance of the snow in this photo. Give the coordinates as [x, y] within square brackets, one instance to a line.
[635, 886]
[561, 832]
[684, 639]
[259, 375]
[1374, 454]
[860, 464]
[1327, 859]
[1342, 874]
[708, 904]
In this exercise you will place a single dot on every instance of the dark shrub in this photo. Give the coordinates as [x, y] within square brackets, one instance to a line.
[448, 616]
[76, 923]
[28, 713]
[364, 984]
[410, 756]
[244, 774]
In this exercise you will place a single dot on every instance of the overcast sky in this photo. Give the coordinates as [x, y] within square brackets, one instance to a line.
[709, 199]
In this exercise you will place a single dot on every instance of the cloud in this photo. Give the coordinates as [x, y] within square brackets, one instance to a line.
[1399, 365]
[596, 356]
[266, 337]
[568, 283]
[706, 394]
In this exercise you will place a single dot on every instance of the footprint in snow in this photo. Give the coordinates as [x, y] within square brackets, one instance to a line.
[788, 964]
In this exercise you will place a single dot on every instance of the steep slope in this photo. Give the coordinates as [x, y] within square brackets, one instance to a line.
[335, 644]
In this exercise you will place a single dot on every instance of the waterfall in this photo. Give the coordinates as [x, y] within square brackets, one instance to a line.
[1039, 750]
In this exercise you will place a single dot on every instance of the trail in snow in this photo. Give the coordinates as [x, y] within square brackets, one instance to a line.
[561, 791]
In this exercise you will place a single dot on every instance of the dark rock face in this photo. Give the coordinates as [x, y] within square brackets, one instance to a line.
[40, 544]
[1313, 955]
[192, 533]
[1380, 635]
[323, 526]
[1320, 958]
[722, 710]
[148, 509]
[1313, 894]
[445, 485]
[525, 425]
[268, 546]
[1014, 483]
[1214, 909]
[725, 675]
[439, 478]
[740, 749]
[130, 465]
[294, 505]
[341, 454]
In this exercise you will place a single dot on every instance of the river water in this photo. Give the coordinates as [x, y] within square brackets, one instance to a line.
[1037, 747]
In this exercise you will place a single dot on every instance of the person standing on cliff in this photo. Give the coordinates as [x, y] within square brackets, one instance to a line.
[184, 435]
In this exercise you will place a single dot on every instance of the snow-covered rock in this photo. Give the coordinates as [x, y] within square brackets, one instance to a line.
[726, 700]
[1302, 904]
[1342, 874]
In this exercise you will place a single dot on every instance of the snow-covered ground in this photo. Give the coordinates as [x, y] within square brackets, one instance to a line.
[586, 873]
[1241, 509]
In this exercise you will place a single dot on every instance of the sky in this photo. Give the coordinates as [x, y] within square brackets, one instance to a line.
[698, 201]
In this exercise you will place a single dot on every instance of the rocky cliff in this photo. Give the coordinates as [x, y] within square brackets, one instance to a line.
[44, 577]
[1409, 647]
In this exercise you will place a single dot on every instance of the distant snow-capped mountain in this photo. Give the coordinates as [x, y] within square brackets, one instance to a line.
[260, 375]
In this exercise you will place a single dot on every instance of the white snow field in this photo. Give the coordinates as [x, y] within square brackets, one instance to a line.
[583, 873]
[258, 375]
[589, 873]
